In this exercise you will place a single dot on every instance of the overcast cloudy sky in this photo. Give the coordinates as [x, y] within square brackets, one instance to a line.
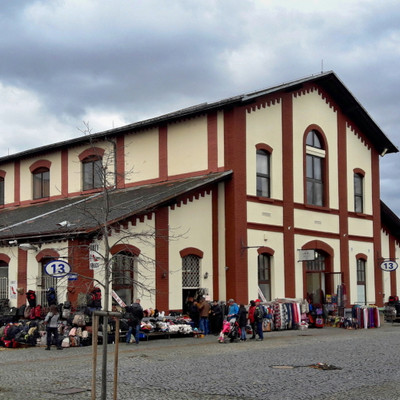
[117, 62]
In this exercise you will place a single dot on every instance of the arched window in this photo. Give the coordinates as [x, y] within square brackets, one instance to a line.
[315, 169]
[264, 275]
[361, 281]
[123, 275]
[263, 173]
[3, 280]
[358, 193]
[41, 183]
[190, 271]
[92, 172]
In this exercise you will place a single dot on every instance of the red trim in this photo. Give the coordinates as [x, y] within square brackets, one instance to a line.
[377, 225]
[235, 205]
[162, 257]
[318, 245]
[64, 172]
[120, 164]
[288, 195]
[266, 250]
[5, 258]
[343, 197]
[92, 151]
[17, 182]
[47, 253]
[212, 136]
[127, 248]
[215, 247]
[359, 171]
[40, 164]
[2, 173]
[263, 146]
[361, 256]
[22, 275]
[191, 251]
[163, 152]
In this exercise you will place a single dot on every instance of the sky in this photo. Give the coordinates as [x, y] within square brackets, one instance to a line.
[67, 63]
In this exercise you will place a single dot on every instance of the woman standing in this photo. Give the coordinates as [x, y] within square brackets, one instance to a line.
[51, 321]
[251, 318]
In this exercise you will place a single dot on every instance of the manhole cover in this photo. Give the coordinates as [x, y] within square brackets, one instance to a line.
[70, 391]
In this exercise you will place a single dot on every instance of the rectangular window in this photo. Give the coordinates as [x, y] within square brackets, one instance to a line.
[314, 174]
[358, 193]
[41, 184]
[264, 275]
[1, 191]
[361, 282]
[263, 173]
[92, 173]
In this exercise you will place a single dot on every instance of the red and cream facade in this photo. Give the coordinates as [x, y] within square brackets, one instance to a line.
[229, 225]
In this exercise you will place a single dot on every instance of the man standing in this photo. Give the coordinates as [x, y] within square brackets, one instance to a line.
[135, 316]
[259, 312]
[204, 309]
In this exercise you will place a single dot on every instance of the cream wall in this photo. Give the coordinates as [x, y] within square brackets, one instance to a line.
[12, 252]
[264, 214]
[192, 225]
[264, 125]
[142, 156]
[221, 243]
[313, 220]
[75, 165]
[26, 187]
[187, 146]
[358, 156]
[308, 109]
[360, 227]
[367, 249]
[273, 240]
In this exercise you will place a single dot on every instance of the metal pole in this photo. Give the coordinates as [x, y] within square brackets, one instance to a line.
[95, 328]
[116, 358]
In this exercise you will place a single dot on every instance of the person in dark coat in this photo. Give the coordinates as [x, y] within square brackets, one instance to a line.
[135, 316]
[242, 320]
[216, 318]
[194, 314]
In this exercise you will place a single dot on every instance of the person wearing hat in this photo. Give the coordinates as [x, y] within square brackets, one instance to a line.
[259, 313]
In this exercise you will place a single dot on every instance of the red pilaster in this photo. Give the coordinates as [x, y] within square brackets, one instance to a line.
[17, 182]
[162, 257]
[64, 172]
[235, 205]
[163, 152]
[215, 247]
[392, 256]
[22, 275]
[288, 196]
[212, 141]
[343, 204]
[120, 164]
[376, 213]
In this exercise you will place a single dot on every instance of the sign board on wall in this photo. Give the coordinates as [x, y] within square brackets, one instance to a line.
[306, 255]
[388, 265]
[13, 289]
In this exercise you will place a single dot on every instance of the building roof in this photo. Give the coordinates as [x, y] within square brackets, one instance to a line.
[390, 220]
[327, 80]
[74, 216]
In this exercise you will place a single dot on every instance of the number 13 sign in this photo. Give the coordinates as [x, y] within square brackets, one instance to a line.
[389, 266]
[57, 268]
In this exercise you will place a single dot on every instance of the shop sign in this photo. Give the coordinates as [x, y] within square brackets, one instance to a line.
[306, 255]
[389, 266]
[57, 268]
[118, 299]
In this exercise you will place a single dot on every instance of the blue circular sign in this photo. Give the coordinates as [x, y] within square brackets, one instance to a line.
[57, 268]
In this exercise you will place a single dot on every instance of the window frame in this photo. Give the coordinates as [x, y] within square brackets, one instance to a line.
[358, 194]
[264, 267]
[361, 276]
[263, 177]
[2, 191]
[41, 183]
[95, 181]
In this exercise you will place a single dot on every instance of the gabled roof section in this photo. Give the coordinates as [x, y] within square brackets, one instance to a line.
[86, 215]
[390, 220]
[327, 80]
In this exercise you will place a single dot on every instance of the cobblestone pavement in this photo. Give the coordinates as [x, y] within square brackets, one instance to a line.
[188, 368]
